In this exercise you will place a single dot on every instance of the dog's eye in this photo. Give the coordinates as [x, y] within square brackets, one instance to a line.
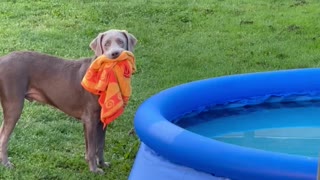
[107, 44]
[120, 42]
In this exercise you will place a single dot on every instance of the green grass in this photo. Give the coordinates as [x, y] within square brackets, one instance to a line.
[179, 41]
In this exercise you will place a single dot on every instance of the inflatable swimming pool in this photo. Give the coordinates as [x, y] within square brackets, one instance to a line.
[185, 152]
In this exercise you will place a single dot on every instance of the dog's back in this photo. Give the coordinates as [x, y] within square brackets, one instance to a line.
[46, 79]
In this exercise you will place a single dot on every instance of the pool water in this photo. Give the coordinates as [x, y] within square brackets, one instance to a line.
[292, 128]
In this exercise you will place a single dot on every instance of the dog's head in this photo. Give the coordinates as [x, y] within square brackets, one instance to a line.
[112, 43]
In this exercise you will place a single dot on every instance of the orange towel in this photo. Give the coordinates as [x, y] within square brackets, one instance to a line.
[111, 80]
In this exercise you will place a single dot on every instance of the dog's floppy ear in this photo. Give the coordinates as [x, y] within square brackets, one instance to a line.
[96, 45]
[132, 41]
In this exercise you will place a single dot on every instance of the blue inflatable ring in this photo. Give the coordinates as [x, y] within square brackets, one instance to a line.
[153, 124]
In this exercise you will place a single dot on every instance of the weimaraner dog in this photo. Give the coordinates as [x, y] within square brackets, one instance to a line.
[55, 81]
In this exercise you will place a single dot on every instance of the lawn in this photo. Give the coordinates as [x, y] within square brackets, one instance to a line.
[179, 41]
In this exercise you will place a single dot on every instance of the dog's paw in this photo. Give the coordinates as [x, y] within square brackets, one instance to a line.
[132, 132]
[98, 171]
[8, 165]
[104, 164]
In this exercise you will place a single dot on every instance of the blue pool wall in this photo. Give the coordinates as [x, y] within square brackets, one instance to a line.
[148, 165]
[155, 129]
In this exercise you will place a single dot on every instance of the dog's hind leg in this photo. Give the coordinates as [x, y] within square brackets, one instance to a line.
[12, 104]
[11, 114]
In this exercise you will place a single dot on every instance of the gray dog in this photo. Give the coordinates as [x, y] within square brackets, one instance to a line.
[55, 81]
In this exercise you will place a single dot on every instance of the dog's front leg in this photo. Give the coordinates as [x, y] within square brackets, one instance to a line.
[100, 145]
[86, 141]
[91, 143]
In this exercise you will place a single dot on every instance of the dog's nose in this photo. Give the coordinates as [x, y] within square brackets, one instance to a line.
[115, 54]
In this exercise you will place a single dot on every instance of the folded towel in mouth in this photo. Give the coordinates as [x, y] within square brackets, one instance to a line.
[111, 80]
